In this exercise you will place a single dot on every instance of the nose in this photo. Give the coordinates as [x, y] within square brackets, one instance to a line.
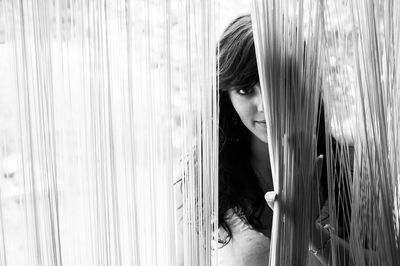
[260, 107]
[259, 102]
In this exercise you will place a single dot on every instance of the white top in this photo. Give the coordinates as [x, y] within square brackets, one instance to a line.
[247, 247]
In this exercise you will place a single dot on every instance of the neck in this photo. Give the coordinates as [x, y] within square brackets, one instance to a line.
[260, 163]
[259, 151]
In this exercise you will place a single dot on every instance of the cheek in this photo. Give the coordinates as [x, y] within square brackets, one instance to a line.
[243, 109]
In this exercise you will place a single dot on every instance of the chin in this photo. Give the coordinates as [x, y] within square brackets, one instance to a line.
[262, 137]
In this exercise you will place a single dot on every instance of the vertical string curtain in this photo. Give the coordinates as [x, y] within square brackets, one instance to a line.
[363, 42]
[287, 39]
[361, 95]
[117, 156]
[117, 132]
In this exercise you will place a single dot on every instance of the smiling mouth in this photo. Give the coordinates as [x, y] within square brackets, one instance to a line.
[261, 123]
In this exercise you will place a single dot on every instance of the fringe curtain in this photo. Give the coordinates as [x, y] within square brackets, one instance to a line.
[116, 99]
[287, 37]
[116, 126]
[361, 92]
[363, 54]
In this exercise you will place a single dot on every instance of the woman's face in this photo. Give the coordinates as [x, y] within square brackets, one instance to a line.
[248, 105]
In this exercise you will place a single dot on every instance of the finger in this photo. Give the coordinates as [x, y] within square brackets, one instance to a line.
[318, 165]
[270, 197]
[316, 186]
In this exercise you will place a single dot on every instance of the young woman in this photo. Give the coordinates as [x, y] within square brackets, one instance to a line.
[245, 220]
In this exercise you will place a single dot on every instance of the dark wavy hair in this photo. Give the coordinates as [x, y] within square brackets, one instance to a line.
[237, 69]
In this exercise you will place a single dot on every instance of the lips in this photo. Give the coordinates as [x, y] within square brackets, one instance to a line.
[261, 123]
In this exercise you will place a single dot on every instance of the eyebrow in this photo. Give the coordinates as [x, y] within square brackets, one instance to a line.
[238, 87]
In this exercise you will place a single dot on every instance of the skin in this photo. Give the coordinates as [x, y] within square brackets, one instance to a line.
[249, 107]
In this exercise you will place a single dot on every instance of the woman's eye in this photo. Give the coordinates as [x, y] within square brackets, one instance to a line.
[245, 91]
